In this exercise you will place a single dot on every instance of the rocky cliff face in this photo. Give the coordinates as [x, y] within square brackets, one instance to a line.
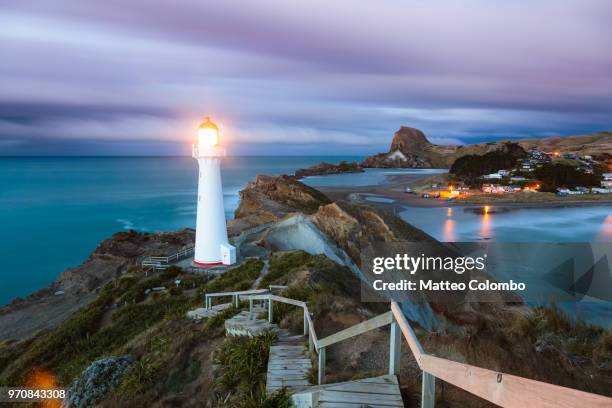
[411, 148]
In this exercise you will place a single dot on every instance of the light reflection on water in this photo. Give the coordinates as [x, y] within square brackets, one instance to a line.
[559, 224]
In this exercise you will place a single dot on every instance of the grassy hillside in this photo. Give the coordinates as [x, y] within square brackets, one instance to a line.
[178, 362]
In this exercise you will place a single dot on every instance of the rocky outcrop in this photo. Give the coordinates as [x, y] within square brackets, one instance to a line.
[94, 383]
[409, 140]
[409, 148]
[324, 168]
[270, 198]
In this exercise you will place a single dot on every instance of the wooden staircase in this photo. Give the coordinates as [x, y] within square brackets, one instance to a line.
[289, 367]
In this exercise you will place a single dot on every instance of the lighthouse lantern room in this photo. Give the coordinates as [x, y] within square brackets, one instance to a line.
[211, 245]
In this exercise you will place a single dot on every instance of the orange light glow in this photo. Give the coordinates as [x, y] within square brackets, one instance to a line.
[40, 378]
[556, 153]
[449, 231]
[208, 133]
[486, 209]
[449, 212]
[485, 227]
[605, 234]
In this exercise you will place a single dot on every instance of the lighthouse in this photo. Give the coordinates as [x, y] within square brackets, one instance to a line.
[212, 247]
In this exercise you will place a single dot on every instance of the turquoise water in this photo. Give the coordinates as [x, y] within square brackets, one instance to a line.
[54, 211]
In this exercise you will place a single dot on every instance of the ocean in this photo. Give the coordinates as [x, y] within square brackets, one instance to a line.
[55, 210]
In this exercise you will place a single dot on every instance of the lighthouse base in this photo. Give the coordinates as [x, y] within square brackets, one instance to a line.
[227, 254]
[206, 264]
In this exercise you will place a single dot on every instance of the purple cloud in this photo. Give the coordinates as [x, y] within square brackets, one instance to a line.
[280, 73]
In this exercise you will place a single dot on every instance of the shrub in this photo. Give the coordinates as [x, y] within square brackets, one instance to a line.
[473, 165]
[553, 176]
[243, 362]
[281, 263]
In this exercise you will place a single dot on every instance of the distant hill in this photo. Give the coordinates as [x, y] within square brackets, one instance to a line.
[411, 148]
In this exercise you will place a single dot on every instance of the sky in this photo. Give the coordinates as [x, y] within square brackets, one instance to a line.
[136, 77]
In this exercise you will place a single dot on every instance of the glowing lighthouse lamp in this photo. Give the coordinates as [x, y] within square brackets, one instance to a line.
[211, 245]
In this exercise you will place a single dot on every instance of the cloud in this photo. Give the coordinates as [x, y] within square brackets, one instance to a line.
[303, 73]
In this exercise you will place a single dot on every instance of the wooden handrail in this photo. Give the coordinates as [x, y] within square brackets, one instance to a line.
[263, 292]
[502, 389]
[508, 390]
[289, 301]
[411, 338]
[355, 330]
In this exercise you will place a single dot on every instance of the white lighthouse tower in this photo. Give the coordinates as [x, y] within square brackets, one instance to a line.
[211, 245]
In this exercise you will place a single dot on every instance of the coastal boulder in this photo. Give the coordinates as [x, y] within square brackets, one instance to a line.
[94, 383]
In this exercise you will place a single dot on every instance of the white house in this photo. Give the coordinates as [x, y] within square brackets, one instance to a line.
[607, 180]
[492, 176]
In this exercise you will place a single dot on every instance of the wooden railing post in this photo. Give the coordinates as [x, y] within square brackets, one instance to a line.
[305, 322]
[395, 348]
[321, 370]
[428, 391]
[250, 309]
[310, 343]
[270, 315]
[236, 300]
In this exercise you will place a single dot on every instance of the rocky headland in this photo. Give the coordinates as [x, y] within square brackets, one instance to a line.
[411, 148]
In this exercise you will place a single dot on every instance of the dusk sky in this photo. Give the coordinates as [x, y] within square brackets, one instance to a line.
[285, 77]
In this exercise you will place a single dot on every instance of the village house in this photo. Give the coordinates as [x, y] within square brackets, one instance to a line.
[607, 180]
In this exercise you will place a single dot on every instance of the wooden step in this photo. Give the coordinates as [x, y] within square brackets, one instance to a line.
[376, 392]
[243, 324]
[203, 313]
[288, 366]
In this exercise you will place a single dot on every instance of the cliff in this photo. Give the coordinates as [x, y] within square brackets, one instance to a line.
[77, 287]
[411, 148]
